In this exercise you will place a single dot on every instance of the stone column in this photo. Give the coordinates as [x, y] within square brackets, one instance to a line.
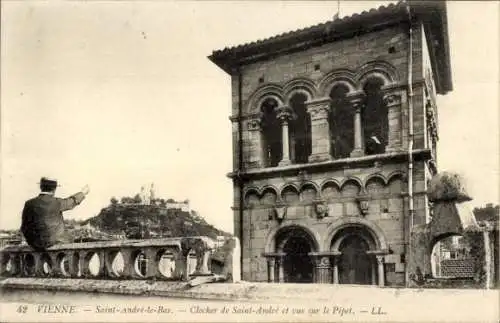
[357, 104]
[320, 129]
[322, 268]
[380, 267]
[270, 269]
[335, 269]
[393, 102]
[73, 263]
[280, 271]
[285, 114]
[128, 264]
[374, 275]
[202, 268]
[83, 264]
[152, 269]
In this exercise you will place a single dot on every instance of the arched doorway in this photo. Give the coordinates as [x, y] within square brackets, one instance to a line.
[355, 265]
[297, 265]
[296, 244]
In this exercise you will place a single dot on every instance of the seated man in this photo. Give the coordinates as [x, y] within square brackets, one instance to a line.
[42, 220]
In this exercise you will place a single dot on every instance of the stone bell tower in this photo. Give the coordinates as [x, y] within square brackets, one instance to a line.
[334, 140]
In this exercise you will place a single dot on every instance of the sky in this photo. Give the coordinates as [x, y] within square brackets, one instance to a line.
[118, 95]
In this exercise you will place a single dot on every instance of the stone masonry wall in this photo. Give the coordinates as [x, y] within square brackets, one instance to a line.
[384, 184]
[385, 210]
[350, 54]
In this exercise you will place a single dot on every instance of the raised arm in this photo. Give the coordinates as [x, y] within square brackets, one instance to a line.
[74, 200]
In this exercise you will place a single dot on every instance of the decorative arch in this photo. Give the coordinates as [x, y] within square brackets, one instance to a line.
[252, 197]
[269, 195]
[352, 179]
[379, 69]
[251, 189]
[270, 90]
[330, 189]
[293, 192]
[380, 242]
[269, 187]
[339, 76]
[374, 177]
[299, 85]
[270, 245]
[397, 174]
[395, 182]
[329, 182]
[376, 184]
[308, 185]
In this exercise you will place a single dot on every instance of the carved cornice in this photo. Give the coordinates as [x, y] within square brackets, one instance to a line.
[330, 165]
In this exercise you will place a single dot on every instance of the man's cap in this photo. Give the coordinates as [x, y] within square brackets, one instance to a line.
[48, 181]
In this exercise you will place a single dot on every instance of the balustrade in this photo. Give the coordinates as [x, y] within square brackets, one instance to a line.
[160, 259]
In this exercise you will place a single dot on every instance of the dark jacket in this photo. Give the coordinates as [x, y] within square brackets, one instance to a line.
[43, 223]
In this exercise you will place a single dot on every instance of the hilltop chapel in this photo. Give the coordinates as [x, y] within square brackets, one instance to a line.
[334, 140]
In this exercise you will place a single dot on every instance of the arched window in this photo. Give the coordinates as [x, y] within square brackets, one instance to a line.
[374, 118]
[300, 127]
[271, 134]
[341, 121]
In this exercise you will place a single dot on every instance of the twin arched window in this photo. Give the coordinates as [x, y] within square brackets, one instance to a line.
[341, 119]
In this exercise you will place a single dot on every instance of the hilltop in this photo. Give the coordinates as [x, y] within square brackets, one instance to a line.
[133, 219]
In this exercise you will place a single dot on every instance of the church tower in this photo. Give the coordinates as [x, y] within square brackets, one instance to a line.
[334, 140]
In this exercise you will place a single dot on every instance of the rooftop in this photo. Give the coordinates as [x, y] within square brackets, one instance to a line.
[431, 13]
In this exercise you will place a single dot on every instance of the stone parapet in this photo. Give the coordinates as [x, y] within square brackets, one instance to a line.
[159, 259]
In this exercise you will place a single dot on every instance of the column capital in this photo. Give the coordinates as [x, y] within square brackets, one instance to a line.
[321, 261]
[357, 100]
[392, 99]
[271, 260]
[254, 124]
[319, 109]
[284, 113]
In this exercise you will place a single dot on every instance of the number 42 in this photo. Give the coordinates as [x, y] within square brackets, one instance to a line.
[22, 309]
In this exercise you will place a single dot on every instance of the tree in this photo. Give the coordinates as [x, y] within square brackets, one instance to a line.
[487, 213]
[137, 199]
[114, 201]
[127, 200]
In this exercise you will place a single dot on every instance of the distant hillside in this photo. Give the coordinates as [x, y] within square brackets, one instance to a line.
[138, 221]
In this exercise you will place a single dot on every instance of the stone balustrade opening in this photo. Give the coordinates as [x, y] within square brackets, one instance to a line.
[158, 259]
